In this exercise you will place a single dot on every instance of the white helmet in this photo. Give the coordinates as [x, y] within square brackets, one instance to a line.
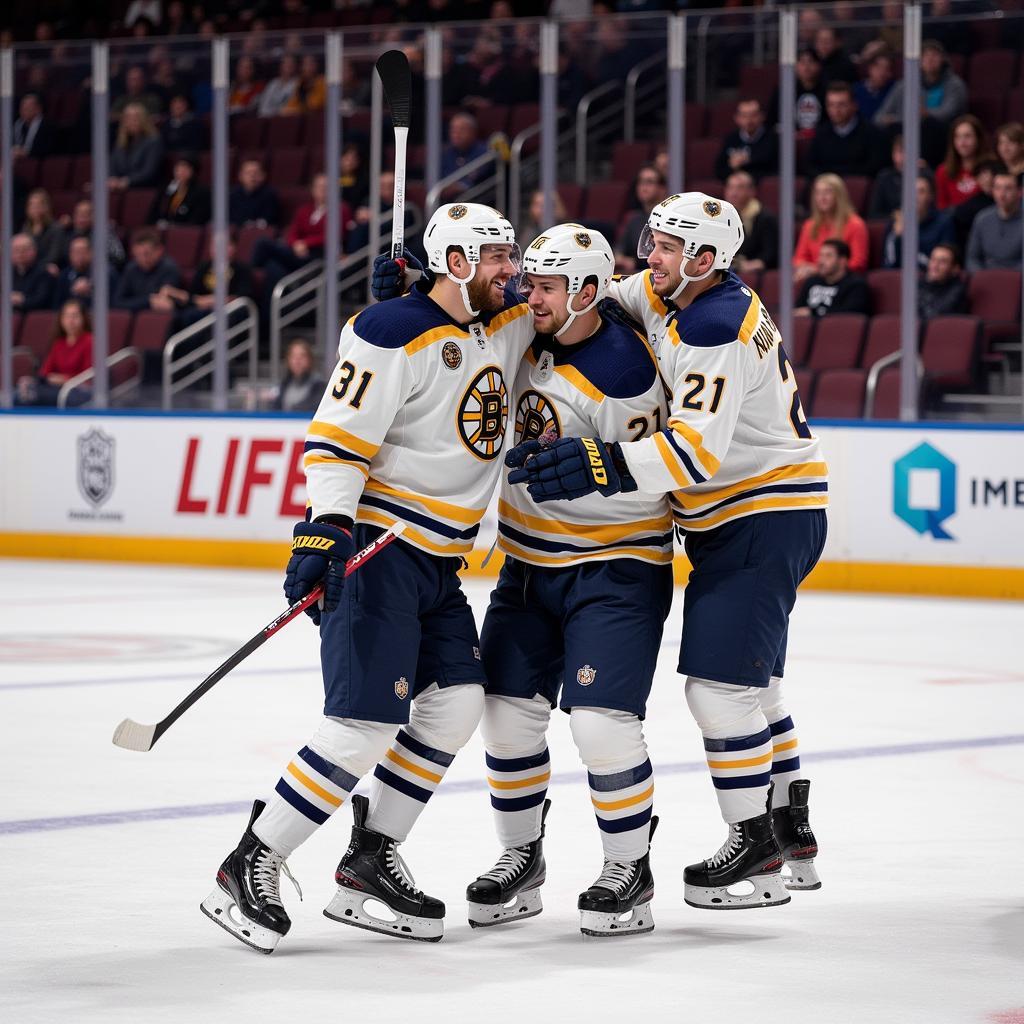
[467, 226]
[699, 220]
[575, 253]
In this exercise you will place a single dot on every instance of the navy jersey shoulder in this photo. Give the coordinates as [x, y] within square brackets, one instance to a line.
[715, 317]
[616, 360]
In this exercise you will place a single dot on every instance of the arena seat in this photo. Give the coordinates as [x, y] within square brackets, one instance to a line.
[571, 195]
[839, 394]
[859, 189]
[248, 132]
[37, 332]
[696, 121]
[804, 386]
[883, 339]
[135, 207]
[605, 200]
[876, 242]
[149, 330]
[627, 158]
[759, 82]
[949, 352]
[183, 244]
[995, 296]
[700, 158]
[55, 173]
[283, 132]
[27, 169]
[288, 166]
[720, 119]
[837, 341]
[247, 239]
[887, 395]
[799, 345]
[119, 325]
[884, 286]
[991, 72]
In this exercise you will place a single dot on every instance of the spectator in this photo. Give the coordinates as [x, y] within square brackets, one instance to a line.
[136, 92]
[648, 190]
[1010, 147]
[182, 131]
[751, 147]
[968, 146]
[176, 20]
[49, 237]
[943, 98]
[147, 9]
[844, 143]
[246, 88]
[184, 200]
[32, 135]
[534, 224]
[300, 389]
[996, 241]
[147, 278]
[933, 227]
[463, 147]
[138, 153]
[870, 93]
[833, 289]
[75, 280]
[941, 290]
[760, 248]
[31, 285]
[836, 65]
[810, 95]
[198, 300]
[832, 216]
[70, 354]
[352, 179]
[80, 224]
[253, 203]
[311, 94]
[962, 215]
[887, 189]
[279, 93]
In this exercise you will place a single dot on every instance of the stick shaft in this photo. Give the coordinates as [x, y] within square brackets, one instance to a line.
[398, 214]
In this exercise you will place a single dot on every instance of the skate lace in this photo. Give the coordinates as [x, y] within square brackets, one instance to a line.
[616, 875]
[510, 863]
[729, 847]
[399, 869]
[266, 873]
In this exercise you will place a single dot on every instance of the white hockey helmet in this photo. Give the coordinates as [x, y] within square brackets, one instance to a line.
[575, 253]
[466, 226]
[699, 220]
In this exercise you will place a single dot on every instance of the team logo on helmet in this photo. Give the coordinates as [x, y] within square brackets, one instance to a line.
[458, 212]
[711, 208]
[402, 688]
[583, 240]
[535, 417]
[586, 675]
[483, 414]
[451, 355]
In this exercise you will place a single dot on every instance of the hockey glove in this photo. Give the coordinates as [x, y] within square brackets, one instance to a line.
[391, 277]
[319, 553]
[571, 467]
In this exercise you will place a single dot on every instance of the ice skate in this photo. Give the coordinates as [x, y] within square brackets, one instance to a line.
[746, 871]
[247, 899]
[510, 891]
[796, 840]
[619, 902]
[375, 890]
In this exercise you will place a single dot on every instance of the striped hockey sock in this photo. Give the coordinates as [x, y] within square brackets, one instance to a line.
[622, 802]
[785, 759]
[307, 794]
[403, 782]
[518, 787]
[741, 771]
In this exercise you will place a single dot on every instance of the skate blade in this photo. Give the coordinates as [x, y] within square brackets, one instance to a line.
[220, 908]
[766, 891]
[524, 905]
[349, 907]
[801, 875]
[606, 926]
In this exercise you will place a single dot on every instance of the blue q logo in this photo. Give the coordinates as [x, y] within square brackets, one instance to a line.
[924, 490]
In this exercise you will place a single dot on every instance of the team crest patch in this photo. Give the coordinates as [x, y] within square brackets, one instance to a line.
[95, 466]
[452, 355]
[402, 688]
[483, 414]
[535, 417]
[711, 208]
[586, 675]
[458, 212]
[583, 240]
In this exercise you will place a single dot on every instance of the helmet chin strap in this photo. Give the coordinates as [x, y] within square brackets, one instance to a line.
[573, 313]
[462, 282]
[686, 279]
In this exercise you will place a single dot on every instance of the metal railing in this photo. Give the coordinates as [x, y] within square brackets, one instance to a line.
[290, 301]
[591, 129]
[873, 374]
[654, 87]
[118, 390]
[242, 337]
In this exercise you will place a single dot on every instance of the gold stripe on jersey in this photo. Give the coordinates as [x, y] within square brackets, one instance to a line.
[696, 500]
[435, 334]
[645, 554]
[750, 321]
[507, 316]
[671, 461]
[579, 382]
[312, 459]
[411, 535]
[343, 437]
[444, 509]
[791, 502]
[696, 442]
[655, 300]
[604, 533]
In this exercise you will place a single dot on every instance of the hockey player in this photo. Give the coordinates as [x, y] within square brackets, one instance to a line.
[749, 490]
[580, 603]
[410, 429]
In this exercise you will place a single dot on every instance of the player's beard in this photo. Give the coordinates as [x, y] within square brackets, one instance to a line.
[482, 297]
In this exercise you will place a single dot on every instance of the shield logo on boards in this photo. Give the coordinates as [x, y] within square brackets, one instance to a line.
[402, 688]
[586, 675]
[96, 466]
[457, 212]
[711, 208]
[452, 355]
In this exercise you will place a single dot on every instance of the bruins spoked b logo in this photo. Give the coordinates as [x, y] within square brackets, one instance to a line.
[535, 416]
[483, 413]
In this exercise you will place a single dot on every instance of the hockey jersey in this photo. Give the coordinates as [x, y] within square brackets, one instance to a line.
[736, 442]
[606, 386]
[412, 423]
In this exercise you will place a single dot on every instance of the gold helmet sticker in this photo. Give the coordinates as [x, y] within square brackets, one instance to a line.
[457, 212]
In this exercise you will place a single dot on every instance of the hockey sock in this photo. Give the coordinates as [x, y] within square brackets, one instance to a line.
[737, 744]
[408, 775]
[785, 749]
[518, 765]
[621, 779]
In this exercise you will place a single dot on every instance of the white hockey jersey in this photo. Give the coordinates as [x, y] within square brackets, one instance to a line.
[412, 423]
[606, 386]
[737, 442]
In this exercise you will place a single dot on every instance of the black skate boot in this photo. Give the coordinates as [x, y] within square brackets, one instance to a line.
[247, 900]
[372, 871]
[510, 891]
[793, 833]
[623, 887]
[750, 855]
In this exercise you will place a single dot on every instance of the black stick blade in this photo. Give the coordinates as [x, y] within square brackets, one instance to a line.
[395, 76]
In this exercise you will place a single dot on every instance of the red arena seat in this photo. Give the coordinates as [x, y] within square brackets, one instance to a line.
[837, 341]
[839, 394]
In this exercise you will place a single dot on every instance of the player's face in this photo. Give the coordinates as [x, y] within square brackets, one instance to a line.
[498, 265]
[546, 297]
[665, 261]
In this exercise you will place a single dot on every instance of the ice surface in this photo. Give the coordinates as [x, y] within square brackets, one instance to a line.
[911, 719]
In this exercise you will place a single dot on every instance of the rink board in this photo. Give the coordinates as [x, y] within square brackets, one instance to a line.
[921, 508]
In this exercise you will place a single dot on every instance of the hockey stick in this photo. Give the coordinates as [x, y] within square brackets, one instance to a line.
[393, 68]
[133, 736]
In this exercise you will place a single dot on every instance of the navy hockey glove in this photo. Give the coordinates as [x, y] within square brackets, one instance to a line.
[571, 467]
[319, 553]
[389, 279]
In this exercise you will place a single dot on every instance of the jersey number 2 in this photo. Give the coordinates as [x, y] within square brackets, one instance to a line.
[345, 377]
[796, 412]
